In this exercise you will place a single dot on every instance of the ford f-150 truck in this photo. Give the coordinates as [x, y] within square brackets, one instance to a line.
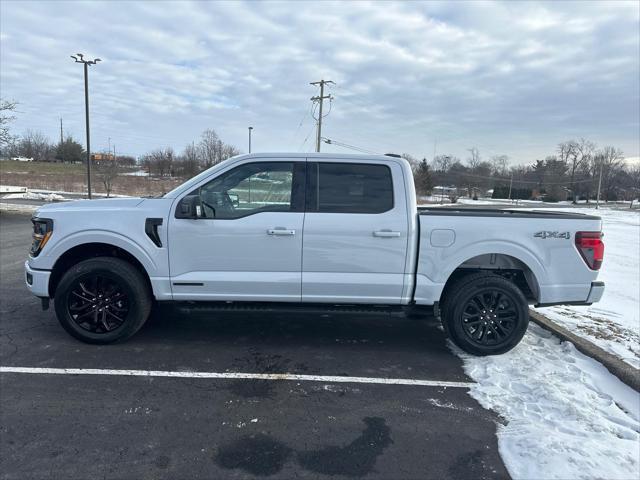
[310, 230]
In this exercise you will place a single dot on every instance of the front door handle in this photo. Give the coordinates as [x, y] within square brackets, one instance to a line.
[280, 231]
[386, 233]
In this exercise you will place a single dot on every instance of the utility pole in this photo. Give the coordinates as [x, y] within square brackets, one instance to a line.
[109, 146]
[61, 141]
[250, 128]
[599, 182]
[320, 99]
[78, 57]
[510, 185]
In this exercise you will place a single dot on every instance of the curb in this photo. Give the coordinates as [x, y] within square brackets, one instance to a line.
[625, 372]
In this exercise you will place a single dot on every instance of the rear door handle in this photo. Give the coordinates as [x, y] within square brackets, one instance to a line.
[386, 233]
[280, 231]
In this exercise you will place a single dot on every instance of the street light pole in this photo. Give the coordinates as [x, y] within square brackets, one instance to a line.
[599, 183]
[78, 57]
[250, 128]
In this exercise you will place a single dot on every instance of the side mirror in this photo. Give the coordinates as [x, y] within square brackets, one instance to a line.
[189, 207]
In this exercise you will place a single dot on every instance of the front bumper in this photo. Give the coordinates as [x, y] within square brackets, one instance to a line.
[37, 281]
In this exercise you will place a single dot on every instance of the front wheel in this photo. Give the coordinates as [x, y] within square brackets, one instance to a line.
[102, 300]
[485, 314]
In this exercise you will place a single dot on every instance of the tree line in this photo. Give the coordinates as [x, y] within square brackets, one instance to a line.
[195, 157]
[571, 173]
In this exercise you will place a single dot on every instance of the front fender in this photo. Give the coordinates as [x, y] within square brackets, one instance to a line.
[47, 259]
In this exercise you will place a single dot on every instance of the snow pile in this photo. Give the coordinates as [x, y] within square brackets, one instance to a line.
[568, 417]
[12, 189]
[614, 322]
[47, 197]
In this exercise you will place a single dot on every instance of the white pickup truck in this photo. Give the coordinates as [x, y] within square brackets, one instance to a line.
[310, 230]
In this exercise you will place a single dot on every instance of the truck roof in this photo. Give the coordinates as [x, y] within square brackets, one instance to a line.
[319, 156]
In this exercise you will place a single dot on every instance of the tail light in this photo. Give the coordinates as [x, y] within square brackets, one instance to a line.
[591, 247]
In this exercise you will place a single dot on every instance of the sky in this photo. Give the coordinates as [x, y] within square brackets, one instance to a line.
[510, 78]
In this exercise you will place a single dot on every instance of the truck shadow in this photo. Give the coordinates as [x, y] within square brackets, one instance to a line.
[299, 328]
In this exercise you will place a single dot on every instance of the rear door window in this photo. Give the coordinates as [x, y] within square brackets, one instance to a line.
[350, 188]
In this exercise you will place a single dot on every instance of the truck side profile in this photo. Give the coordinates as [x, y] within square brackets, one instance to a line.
[310, 230]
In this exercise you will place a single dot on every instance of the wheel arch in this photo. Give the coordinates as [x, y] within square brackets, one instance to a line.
[520, 272]
[85, 251]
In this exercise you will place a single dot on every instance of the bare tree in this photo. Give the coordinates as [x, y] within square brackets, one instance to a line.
[633, 172]
[210, 148]
[474, 160]
[7, 108]
[189, 161]
[500, 165]
[228, 151]
[160, 161]
[442, 163]
[471, 179]
[577, 152]
[108, 171]
[611, 161]
[413, 161]
[36, 145]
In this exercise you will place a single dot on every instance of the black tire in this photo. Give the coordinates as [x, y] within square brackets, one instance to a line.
[484, 314]
[111, 308]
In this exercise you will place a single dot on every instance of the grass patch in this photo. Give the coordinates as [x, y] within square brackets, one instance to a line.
[41, 168]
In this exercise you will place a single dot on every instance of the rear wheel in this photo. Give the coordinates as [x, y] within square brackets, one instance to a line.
[485, 314]
[102, 300]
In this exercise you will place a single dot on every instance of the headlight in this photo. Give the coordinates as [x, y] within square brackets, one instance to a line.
[42, 229]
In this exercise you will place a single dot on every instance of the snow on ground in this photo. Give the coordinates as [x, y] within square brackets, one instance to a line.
[137, 173]
[29, 195]
[566, 416]
[57, 195]
[614, 322]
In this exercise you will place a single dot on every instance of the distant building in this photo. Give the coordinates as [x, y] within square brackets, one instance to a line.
[102, 157]
[440, 190]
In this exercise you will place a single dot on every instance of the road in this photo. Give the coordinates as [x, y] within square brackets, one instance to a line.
[114, 426]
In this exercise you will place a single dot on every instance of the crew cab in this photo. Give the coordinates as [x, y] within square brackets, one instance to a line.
[314, 231]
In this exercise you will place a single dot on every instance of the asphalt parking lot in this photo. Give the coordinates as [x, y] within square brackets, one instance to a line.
[116, 426]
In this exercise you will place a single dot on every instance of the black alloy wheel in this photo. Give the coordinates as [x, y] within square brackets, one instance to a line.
[103, 300]
[484, 313]
[489, 317]
[98, 304]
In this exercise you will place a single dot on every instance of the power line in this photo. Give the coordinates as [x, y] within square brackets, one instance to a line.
[305, 140]
[346, 145]
[320, 98]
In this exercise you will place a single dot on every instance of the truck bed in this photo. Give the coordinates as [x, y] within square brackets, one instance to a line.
[540, 243]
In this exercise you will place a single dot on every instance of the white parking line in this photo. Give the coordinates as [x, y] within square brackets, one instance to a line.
[234, 375]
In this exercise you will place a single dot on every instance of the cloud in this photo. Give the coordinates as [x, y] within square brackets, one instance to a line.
[513, 78]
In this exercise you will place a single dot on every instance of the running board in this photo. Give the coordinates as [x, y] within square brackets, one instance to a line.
[315, 308]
